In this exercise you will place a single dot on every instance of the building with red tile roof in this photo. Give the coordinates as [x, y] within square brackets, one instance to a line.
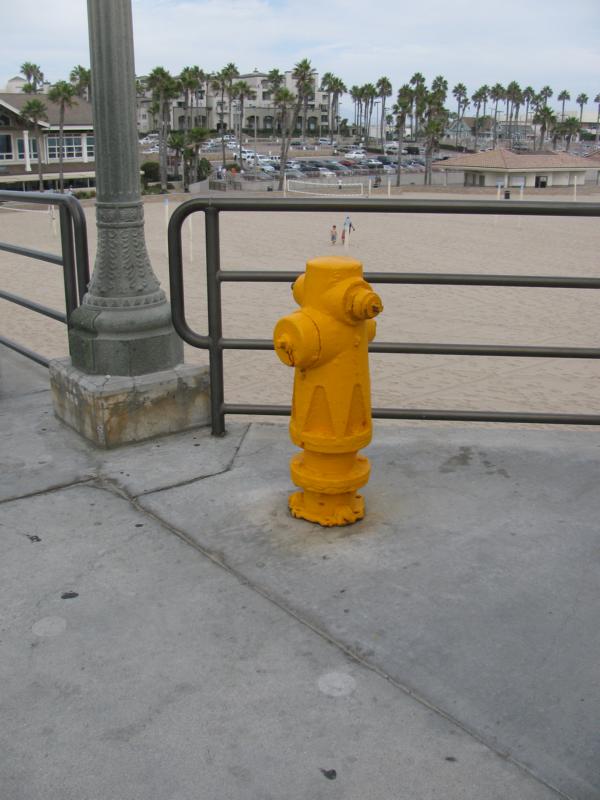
[506, 168]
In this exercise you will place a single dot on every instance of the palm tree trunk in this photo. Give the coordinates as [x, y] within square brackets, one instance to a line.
[162, 145]
[61, 144]
[428, 158]
[495, 124]
[222, 130]
[39, 154]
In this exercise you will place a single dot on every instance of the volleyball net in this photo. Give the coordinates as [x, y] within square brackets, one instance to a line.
[324, 189]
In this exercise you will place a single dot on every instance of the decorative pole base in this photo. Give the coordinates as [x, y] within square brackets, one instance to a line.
[124, 341]
[110, 411]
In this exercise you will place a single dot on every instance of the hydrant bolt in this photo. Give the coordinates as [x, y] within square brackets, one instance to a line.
[327, 343]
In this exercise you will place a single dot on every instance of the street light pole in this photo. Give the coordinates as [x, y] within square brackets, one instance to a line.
[123, 326]
[125, 380]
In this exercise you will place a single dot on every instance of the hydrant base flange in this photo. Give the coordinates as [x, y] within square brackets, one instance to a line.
[327, 509]
[320, 475]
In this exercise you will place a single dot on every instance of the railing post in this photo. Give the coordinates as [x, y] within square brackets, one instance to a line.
[215, 327]
[68, 254]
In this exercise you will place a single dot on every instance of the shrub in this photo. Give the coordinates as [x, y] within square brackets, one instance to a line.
[151, 172]
[84, 194]
[204, 169]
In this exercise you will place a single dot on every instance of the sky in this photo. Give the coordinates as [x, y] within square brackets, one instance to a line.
[535, 42]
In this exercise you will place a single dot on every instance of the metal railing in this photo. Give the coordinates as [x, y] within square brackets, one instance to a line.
[73, 259]
[215, 343]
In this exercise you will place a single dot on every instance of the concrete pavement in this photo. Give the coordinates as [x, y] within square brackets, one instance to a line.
[169, 632]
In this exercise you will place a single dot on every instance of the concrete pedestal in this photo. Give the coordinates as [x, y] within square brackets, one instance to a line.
[113, 410]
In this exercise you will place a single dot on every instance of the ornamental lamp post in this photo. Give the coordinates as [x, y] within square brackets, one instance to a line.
[125, 380]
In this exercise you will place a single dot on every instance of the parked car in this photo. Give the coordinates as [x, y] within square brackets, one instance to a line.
[356, 154]
[325, 173]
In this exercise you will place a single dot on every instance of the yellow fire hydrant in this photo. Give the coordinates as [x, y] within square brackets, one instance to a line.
[327, 343]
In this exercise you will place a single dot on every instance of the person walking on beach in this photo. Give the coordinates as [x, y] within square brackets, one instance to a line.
[348, 226]
[333, 234]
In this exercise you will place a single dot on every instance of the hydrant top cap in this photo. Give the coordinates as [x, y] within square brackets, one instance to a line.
[347, 266]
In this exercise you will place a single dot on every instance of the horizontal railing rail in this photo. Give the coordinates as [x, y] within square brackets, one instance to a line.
[215, 343]
[74, 259]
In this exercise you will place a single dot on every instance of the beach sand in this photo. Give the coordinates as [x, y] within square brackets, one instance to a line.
[416, 243]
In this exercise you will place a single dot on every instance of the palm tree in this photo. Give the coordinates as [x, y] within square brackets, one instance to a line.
[287, 105]
[581, 101]
[478, 98]
[418, 84]
[338, 88]
[497, 93]
[243, 92]
[545, 94]
[460, 95]
[63, 94]
[436, 120]
[568, 128]
[34, 77]
[513, 100]
[597, 100]
[305, 84]
[164, 88]
[384, 89]
[369, 94]
[219, 85]
[176, 142]
[81, 78]
[275, 79]
[197, 78]
[189, 85]
[527, 96]
[563, 97]
[194, 139]
[34, 112]
[402, 109]
[355, 96]
[546, 119]
[230, 72]
[326, 81]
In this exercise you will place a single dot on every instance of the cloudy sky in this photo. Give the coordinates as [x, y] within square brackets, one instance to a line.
[534, 42]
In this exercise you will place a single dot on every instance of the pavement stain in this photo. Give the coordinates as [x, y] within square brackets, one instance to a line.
[462, 459]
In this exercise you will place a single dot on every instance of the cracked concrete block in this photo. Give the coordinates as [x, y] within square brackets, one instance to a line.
[114, 410]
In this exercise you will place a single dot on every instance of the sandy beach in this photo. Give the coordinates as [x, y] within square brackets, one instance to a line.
[512, 245]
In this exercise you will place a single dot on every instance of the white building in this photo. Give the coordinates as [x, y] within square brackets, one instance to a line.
[505, 168]
[204, 109]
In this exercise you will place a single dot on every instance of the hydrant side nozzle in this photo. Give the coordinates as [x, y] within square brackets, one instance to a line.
[364, 303]
[296, 340]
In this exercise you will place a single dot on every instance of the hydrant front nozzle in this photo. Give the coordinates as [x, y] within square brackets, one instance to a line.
[327, 343]
[366, 304]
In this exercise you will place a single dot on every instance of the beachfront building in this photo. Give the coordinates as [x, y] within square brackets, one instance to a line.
[18, 146]
[506, 168]
[205, 108]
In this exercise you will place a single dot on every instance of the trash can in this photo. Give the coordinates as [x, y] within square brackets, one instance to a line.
[507, 194]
